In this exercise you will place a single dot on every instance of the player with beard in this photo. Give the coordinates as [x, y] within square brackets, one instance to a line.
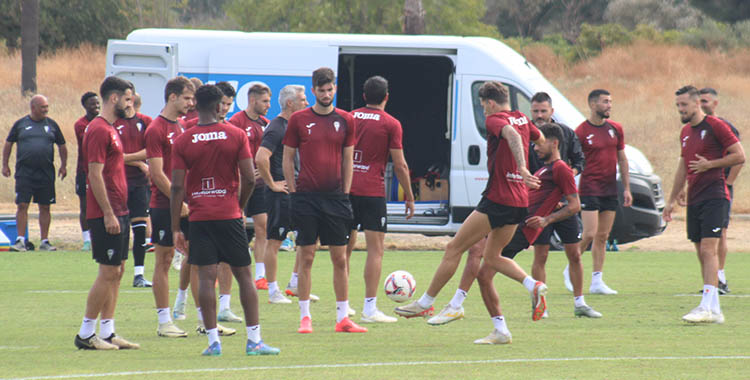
[90, 103]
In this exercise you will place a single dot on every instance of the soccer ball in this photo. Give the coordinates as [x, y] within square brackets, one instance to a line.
[400, 286]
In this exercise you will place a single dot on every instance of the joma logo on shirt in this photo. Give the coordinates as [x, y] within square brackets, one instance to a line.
[367, 116]
[518, 121]
[209, 136]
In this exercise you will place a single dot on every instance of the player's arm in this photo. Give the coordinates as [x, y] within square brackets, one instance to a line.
[63, 150]
[247, 181]
[263, 160]
[680, 176]
[735, 156]
[573, 207]
[135, 156]
[158, 178]
[577, 159]
[96, 181]
[7, 149]
[287, 164]
[622, 160]
[516, 148]
[733, 173]
[347, 167]
[401, 168]
[176, 197]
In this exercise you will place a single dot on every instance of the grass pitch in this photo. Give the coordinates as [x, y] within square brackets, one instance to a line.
[42, 297]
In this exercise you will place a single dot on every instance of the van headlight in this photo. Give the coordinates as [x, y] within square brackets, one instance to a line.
[637, 161]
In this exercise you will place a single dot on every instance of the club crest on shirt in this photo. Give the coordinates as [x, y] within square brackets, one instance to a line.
[139, 126]
[611, 133]
[46, 129]
[336, 125]
[703, 134]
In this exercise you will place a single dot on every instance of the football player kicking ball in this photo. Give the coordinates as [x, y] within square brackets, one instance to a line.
[107, 214]
[214, 155]
[497, 215]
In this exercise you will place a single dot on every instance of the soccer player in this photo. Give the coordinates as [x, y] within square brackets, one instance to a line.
[210, 156]
[603, 143]
[107, 213]
[192, 113]
[254, 122]
[269, 160]
[36, 135]
[132, 131]
[708, 146]
[324, 136]
[90, 103]
[378, 136]
[502, 208]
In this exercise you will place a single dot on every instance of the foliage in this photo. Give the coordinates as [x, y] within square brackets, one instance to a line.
[660, 14]
[724, 10]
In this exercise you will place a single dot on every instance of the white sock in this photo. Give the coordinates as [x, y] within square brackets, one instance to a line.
[199, 314]
[579, 301]
[164, 315]
[86, 235]
[597, 278]
[260, 271]
[707, 298]
[293, 280]
[138, 270]
[213, 335]
[371, 306]
[106, 328]
[342, 308]
[715, 306]
[253, 333]
[181, 296]
[273, 287]
[722, 276]
[20, 238]
[148, 240]
[499, 323]
[224, 301]
[304, 309]
[529, 283]
[426, 301]
[88, 328]
[458, 299]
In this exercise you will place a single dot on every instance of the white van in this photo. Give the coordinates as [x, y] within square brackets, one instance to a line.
[433, 92]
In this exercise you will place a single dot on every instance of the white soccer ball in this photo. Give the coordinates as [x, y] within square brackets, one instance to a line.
[400, 286]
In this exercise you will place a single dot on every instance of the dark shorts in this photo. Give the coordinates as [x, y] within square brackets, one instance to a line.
[43, 192]
[217, 241]
[161, 227]
[370, 213]
[279, 215]
[81, 184]
[138, 201]
[599, 203]
[108, 249]
[501, 215]
[707, 219]
[731, 201]
[257, 202]
[517, 244]
[321, 215]
[567, 230]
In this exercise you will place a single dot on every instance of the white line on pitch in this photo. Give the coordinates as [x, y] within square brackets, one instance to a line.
[722, 296]
[382, 364]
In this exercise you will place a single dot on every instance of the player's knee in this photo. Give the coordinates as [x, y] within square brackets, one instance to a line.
[601, 235]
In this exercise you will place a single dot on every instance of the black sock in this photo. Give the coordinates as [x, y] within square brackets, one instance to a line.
[139, 239]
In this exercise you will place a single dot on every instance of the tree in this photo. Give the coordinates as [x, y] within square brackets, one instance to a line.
[29, 44]
[523, 18]
[660, 14]
[413, 17]
[576, 12]
[724, 10]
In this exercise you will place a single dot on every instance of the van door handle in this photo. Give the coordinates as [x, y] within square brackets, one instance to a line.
[474, 154]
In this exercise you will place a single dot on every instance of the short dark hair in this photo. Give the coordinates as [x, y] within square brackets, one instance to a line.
[708, 90]
[322, 77]
[541, 97]
[86, 96]
[552, 130]
[493, 90]
[595, 94]
[258, 88]
[176, 86]
[114, 84]
[689, 89]
[207, 97]
[375, 89]
[227, 89]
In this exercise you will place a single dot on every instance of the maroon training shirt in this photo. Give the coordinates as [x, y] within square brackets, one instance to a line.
[320, 140]
[377, 133]
[80, 128]
[600, 145]
[102, 144]
[211, 154]
[506, 186]
[557, 180]
[709, 139]
[160, 137]
[253, 128]
[132, 134]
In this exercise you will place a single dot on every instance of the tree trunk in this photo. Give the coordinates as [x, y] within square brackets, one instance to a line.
[29, 44]
[413, 17]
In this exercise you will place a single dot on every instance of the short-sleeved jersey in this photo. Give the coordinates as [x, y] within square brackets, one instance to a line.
[102, 144]
[35, 154]
[710, 139]
[600, 145]
[253, 128]
[557, 180]
[190, 123]
[320, 140]
[79, 127]
[132, 133]
[211, 154]
[377, 133]
[272, 140]
[160, 137]
[506, 186]
[190, 115]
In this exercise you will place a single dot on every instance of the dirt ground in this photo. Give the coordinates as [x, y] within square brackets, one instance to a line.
[65, 233]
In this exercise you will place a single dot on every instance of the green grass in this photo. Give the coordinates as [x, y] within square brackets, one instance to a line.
[643, 321]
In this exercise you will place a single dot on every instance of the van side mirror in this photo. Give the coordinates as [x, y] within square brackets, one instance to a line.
[474, 154]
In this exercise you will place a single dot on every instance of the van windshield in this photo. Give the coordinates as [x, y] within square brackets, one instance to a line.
[518, 101]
